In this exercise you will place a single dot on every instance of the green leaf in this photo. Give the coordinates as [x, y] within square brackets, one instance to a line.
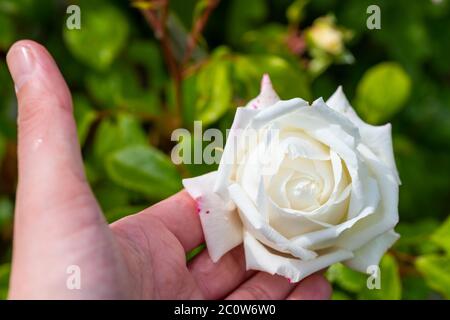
[436, 271]
[120, 88]
[116, 133]
[103, 34]
[7, 34]
[5, 270]
[382, 92]
[442, 236]
[144, 169]
[244, 16]
[415, 237]
[148, 54]
[111, 196]
[30, 11]
[295, 11]
[191, 254]
[85, 116]
[340, 295]
[214, 88]
[415, 288]
[189, 91]
[106, 87]
[346, 278]
[6, 212]
[391, 287]
[268, 39]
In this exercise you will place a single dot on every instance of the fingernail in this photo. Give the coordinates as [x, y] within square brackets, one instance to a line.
[21, 63]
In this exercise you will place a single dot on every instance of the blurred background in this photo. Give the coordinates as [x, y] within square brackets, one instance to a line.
[139, 69]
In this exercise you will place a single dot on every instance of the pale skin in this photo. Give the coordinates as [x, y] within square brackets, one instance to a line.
[58, 222]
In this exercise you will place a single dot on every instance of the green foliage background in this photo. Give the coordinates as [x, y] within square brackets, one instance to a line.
[126, 103]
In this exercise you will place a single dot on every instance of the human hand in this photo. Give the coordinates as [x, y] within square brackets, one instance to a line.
[58, 222]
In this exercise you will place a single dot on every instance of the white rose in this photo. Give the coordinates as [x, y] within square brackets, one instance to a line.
[324, 191]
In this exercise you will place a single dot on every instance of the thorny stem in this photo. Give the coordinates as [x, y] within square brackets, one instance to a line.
[156, 15]
[197, 28]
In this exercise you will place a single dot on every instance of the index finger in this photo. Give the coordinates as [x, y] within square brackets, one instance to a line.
[180, 216]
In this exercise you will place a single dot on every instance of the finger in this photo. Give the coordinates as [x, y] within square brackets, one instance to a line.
[263, 286]
[216, 280]
[54, 201]
[314, 287]
[179, 215]
[52, 187]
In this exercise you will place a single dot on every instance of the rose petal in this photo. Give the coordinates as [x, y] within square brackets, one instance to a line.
[297, 144]
[277, 187]
[231, 153]
[371, 253]
[386, 215]
[254, 222]
[377, 138]
[277, 110]
[291, 223]
[220, 222]
[266, 97]
[258, 257]
[333, 129]
[323, 238]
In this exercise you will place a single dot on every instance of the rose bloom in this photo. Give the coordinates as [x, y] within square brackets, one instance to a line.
[327, 37]
[312, 186]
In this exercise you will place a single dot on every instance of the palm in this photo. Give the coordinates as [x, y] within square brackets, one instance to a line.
[59, 224]
[154, 244]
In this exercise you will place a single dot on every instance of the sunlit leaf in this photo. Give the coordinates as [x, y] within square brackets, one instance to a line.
[442, 236]
[391, 287]
[214, 88]
[116, 133]
[143, 4]
[382, 92]
[415, 237]
[339, 295]
[103, 34]
[436, 270]
[295, 11]
[346, 278]
[144, 169]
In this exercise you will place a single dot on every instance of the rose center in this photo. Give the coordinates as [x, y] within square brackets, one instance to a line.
[303, 193]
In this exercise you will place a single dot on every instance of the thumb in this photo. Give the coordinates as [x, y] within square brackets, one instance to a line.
[54, 201]
[50, 165]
